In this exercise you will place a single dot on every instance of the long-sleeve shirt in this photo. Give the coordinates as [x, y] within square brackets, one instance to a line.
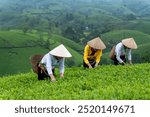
[88, 54]
[119, 50]
[49, 61]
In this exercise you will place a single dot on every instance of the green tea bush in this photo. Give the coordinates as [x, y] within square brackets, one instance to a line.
[106, 82]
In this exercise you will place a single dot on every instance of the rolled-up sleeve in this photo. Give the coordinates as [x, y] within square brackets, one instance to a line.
[86, 49]
[61, 66]
[98, 56]
[129, 55]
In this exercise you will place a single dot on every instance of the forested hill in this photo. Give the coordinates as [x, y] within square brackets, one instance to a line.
[37, 26]
[73, 17]
[78, 20]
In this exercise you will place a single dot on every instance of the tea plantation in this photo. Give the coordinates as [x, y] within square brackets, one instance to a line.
[106, 82]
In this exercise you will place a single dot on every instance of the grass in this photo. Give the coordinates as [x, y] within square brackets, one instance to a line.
[114, 37]
[106, 82]
[16, 60]
[118, 35]
[14, 39]
[140, 25]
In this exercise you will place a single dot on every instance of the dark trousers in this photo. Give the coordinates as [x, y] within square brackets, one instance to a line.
[43, 74]
[92, 62]
[116, 62]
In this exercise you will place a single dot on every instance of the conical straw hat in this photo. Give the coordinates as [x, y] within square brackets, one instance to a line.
[130, 43]
[60, 51]
[97, 43]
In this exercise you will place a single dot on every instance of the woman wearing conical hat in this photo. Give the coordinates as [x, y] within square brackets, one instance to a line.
[93, 53]
[123, 50]
[50, 60]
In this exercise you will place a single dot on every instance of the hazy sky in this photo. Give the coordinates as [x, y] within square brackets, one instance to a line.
[3, 1]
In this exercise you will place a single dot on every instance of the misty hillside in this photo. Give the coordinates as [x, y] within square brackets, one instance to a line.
[138, 7]
[78, 20]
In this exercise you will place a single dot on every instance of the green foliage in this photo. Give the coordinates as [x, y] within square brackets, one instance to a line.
[16, 60]
[142, 54]
[140, 25]
[113, 37]
[16, 48]
[68, 43]
[102, 83]
[130, 17]
[71, 17]
[44, 24]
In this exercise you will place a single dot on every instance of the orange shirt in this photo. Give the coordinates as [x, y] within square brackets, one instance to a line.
[87, 54]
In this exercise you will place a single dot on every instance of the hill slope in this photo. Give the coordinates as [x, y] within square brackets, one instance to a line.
[16, 48]
[113, 37]
[104, 82]
[142, 54]
[78, 20]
